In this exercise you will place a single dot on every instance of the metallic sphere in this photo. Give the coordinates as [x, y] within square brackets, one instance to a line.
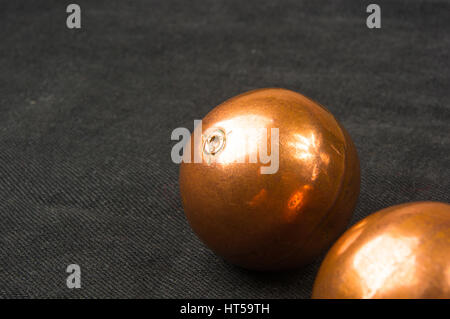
[270, 213]
[399, 252]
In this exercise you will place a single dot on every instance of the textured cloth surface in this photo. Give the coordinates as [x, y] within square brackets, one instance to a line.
[86, 117]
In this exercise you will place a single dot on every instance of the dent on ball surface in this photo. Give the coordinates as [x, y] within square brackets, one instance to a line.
[400, 252]
[286, 215]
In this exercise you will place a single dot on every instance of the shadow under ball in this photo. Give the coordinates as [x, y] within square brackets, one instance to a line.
[270, 221]
[399, 252]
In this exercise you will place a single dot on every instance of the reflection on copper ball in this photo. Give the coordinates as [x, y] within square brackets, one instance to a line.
[265, 215]
[400, 252]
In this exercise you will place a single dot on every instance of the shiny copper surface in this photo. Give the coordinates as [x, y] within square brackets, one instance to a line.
[271, 221]
[400, 252]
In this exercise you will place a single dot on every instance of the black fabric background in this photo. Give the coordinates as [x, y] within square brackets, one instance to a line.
[86, 117]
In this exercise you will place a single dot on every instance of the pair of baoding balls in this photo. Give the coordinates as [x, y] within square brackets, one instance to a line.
[276, 184]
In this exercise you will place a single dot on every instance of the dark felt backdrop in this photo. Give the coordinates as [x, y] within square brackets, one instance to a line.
[86, 117]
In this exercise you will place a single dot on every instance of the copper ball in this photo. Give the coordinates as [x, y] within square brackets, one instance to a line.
[399, 252]
[278, 220]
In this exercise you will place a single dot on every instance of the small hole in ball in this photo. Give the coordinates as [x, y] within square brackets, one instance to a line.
[214, 143]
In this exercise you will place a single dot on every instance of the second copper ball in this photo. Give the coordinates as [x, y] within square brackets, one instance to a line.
[399, 252]
[270, 221]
